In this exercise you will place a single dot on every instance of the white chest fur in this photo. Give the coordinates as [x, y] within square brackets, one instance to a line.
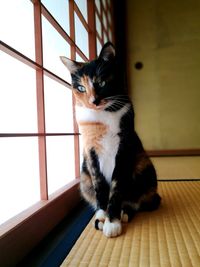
[110, 141]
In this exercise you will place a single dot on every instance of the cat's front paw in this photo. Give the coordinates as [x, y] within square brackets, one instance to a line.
[100, 217]
[112, 229]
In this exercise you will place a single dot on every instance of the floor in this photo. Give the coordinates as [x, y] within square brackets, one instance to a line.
[167, 237]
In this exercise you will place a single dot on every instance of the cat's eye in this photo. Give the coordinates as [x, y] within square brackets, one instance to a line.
[81, 89]
[102, 83]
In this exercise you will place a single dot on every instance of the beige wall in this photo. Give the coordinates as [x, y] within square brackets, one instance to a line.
[165, 36]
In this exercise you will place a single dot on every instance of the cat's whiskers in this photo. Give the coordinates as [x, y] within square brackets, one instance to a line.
[116, 104]
[120, 97]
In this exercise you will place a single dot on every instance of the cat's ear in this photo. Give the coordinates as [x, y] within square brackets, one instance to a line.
[71, 65]
[107, 52]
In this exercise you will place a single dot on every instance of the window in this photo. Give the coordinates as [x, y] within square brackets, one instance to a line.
[39, 139]
[103, 23]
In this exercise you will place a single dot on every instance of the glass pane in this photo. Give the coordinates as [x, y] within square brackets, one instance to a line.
[79, 59]
[19, 175]
[82, 5]
[18, 106]
[81, 36]
[98, 5]
[60, 11]
[99, 46]
[58, 107]
[98, 25]
[54, 46]
[17, 26]
[60, 161]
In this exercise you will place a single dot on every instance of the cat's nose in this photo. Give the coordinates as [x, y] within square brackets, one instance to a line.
[97, 101]
[94, 100]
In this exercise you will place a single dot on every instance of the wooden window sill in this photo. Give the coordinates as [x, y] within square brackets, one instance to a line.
[20, 234]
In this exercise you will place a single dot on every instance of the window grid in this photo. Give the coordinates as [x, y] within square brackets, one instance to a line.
[90, 26]
[107, 9]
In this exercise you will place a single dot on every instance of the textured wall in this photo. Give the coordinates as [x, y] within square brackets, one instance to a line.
[165, 37]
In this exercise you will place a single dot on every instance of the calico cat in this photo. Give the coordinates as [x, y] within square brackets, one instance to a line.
[117, 176]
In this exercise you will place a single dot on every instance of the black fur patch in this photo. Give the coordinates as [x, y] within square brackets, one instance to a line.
[100, 184]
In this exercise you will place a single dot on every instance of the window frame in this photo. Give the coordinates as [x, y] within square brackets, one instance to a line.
[50, 209]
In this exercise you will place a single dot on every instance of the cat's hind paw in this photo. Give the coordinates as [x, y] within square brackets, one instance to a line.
[112, 229]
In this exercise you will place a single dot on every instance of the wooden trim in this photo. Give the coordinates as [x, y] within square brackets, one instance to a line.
[101, 21]
[92, 35]
[113, 25]
[72, 28]
[174, 152]
[21, 234]
[73, 56]
[36, 134]
[40, 102]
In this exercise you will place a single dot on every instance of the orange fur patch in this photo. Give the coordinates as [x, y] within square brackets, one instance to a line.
[142, 163]
[92, 134]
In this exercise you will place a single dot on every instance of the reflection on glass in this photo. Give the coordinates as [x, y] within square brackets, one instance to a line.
[19, 175]
[54, 46]
[58, 107]
[17, 26]
[81, 36]
[99, 46]
[98, 25]
[18, 109]
[60, 11]
[82, 5]
[60, 161]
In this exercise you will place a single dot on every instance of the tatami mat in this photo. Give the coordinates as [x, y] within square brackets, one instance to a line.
[167, 237]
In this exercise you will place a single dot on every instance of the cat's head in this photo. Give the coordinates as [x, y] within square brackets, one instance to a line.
[95, 83]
